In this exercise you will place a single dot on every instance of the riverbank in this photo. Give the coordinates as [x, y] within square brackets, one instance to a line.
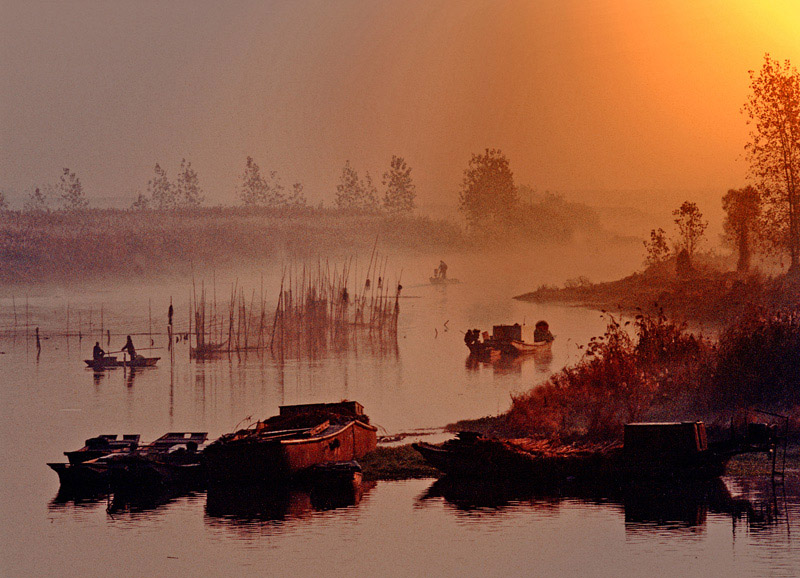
[706, 294]
[404, 462]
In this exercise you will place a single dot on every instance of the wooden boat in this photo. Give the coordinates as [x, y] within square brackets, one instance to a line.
[86, 467]
[288, 445]
[102, 445]
[110, 362]
[510, 340]
[173, 460]
[104, 459]
[444, 281]
[650, 452]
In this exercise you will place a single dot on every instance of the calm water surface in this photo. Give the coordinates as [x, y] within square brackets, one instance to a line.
[50, 403]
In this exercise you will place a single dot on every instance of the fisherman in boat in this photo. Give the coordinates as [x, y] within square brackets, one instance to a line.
[130, 349]
[541, 332]
[442, 269]
[97, 352]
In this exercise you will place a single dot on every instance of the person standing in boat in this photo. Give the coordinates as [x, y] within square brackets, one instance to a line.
[541, 332]
[129, 348]
[97, 352]
[442, 270]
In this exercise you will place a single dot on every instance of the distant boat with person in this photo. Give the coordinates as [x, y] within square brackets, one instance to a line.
[111, 361]
[440, 276]
[511, 340]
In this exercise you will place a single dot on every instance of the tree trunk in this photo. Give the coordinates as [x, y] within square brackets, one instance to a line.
[743, 266]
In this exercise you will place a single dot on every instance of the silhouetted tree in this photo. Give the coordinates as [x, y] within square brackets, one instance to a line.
[141, 203]
[742, 209]
[70, 191]
[187, 188]
[657, 248]
[773, 110]
[3, 202]
[296, 198]
[400, 189]
[691, 228]
[161, 190]
[488, 197]
[355, 193]
[258, 190]
[38, 200]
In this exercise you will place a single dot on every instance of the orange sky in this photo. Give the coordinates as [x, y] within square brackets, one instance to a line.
[638, 100]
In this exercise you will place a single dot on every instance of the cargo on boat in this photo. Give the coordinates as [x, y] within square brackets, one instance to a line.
[509, 340]
[289, 445]
[650, 452]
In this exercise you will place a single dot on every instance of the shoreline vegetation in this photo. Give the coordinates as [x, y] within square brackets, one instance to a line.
[704, 294]
[65, 246]
[99, 244]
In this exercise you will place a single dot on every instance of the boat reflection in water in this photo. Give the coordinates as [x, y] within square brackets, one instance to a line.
[512, 364]
[654, 505]
[238, 505]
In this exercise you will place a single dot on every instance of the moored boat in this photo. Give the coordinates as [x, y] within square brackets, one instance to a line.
[649, 452]
[172, 461]
[106, 461]
[289, 445]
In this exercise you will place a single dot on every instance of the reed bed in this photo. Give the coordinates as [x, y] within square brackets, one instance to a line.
[319, 308]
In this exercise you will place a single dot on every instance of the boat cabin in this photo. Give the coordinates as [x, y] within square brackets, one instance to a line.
[348, 407]
[669, 440]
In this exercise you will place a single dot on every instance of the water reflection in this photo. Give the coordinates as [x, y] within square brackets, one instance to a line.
[645, 507]
[240, 506]
[510, 365]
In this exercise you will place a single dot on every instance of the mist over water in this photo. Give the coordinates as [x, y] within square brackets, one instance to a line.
[52, 403]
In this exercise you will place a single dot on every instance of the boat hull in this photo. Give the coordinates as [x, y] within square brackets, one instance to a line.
[266, 461]
[110, 363]
[509, 347]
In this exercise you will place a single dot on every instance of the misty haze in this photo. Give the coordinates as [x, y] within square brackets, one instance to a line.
[425, 288]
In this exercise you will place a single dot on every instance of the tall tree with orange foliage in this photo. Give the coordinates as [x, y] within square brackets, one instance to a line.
[773, 110]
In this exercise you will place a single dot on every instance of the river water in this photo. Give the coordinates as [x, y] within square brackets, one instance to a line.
[50, 403]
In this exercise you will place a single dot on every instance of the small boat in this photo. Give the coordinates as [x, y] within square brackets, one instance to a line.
[288, 446]
[510, 340]
[110, 362]
[86, 467]
[106, 459]
[172, 461]
[444, 281]
[650, 452]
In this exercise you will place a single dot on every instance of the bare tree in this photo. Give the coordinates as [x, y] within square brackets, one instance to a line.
[773, 110]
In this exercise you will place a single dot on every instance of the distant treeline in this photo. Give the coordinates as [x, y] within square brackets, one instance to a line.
[90, 243]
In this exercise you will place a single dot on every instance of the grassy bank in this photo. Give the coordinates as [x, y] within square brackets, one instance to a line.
[98, 243]
[707, 294]
[396, 463]
[660, 372]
